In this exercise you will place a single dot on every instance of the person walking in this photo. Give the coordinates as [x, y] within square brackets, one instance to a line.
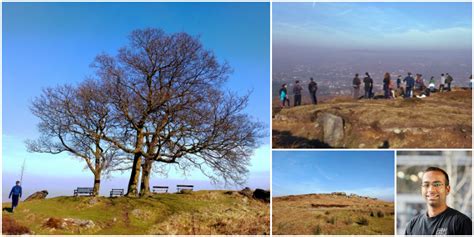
[15, 195]
[313, 88]
[368, 85]
[297, 93]
[356, 85]
[386, 85]
[410, 83]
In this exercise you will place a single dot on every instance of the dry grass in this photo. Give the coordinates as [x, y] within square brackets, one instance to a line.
[297, 215]
[11, 227]
[444, 118]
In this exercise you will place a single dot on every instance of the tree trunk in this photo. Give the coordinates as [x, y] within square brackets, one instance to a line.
[133, 182]
[96, 184]
[145, 182]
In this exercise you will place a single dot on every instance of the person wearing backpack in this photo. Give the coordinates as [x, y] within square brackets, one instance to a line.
[284, 96]
[368, 85]
[386, 85]
[297, 93]
[410, 83]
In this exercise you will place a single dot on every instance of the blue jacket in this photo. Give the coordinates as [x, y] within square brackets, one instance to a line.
[16, 190]
[410, 81]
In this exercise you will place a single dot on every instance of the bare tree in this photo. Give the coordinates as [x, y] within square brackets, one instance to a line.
[166, 92]
[73, 120]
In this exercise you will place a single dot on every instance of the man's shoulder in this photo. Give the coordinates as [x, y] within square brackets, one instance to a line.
[414, 221]
[459, 216]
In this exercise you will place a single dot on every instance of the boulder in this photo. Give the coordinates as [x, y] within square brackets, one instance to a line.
[37, 196]
[333, 129]
[246, 192]
[261, 194]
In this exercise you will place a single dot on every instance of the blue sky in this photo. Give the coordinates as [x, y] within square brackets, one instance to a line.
[408, 26]
[50, 44]
[367, 173]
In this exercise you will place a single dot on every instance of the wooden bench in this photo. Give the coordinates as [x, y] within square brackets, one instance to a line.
[83, 190]
[160, 189]
[116, 192]
[180, 187]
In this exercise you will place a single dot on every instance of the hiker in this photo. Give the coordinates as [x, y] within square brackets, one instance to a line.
[297, 91]
[439, 218]
[443, 81]
[431, 85]
[399, 81]
[449, 79]
[410, 83]
[391, 87]
[313, 87]
[284, 96]
[15, 195]
[356, 84]
[368, 85]
[386, 85]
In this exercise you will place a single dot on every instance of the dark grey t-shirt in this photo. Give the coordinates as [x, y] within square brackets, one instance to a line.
[449, 222]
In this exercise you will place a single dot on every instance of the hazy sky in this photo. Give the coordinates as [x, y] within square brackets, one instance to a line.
[367, 173]
[421, 26]
[49, 44]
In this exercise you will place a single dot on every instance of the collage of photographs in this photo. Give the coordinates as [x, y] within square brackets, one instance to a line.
[236, 118]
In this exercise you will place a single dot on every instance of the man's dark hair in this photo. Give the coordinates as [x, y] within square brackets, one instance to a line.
[17, 182]
[439, 170]
[357, 74]
[311, 78]
[297, 81]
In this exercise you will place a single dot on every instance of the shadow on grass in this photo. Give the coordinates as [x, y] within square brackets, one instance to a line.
[286, 140]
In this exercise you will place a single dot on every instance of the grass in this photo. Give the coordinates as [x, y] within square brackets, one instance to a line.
[370, 123]
[201, 212]
[295, 215]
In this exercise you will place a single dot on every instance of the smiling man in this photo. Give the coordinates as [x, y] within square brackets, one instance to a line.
[439, 218]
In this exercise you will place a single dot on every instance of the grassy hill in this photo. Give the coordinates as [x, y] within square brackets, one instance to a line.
[331, 214]
[200, 212]
[442, 120]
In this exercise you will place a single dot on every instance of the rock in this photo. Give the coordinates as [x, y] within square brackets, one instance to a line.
[185, 191]
[261, 194]
[246, 192]
[362, 145]
[397, 131]
[281, 117]
[37, 196]
[333, 129]
[78, 222]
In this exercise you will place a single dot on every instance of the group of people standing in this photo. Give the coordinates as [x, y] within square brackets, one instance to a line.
[297, 93]
[407, 90]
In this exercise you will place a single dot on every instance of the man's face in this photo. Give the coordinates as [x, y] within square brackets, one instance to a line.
[434, 189]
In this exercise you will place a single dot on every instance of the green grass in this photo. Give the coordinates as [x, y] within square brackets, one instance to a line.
[201, 212]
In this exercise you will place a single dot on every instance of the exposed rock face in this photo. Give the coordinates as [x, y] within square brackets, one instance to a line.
[333, 129]
[246, 192]
[37, 195]
[261, 194]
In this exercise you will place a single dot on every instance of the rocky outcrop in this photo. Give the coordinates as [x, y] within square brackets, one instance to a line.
[333, 129]
[37, 196]
[246, 192]
[261, 194]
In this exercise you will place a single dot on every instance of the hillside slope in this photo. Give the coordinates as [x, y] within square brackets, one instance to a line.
[331, 214]
[200, 212]
[442, 120]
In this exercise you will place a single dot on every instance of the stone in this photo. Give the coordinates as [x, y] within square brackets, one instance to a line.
[37, 196]
[397, 131]
[246, 192]
[261, 194]
[333, 129]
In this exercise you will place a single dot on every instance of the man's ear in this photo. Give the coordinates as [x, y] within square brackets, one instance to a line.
[448, 189]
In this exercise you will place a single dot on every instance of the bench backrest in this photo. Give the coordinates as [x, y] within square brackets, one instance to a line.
[84, 190]
[184, 186]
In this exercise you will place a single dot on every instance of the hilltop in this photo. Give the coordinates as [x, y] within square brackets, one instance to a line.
[442, 120]
[335, 213]
[200, 212]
